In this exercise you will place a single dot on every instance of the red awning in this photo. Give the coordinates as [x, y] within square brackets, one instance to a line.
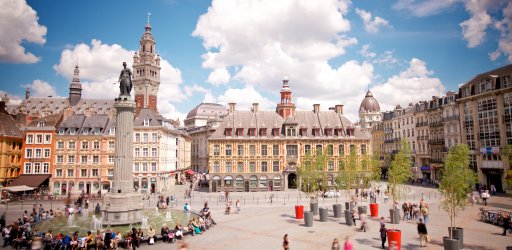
[190, 172]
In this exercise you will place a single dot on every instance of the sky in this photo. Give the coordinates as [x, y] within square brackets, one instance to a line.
[222, 51]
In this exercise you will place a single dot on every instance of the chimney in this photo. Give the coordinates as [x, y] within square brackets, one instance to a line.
[316, 108]
[339, 109]
[27, 93]
[232, 107]
[255, 107]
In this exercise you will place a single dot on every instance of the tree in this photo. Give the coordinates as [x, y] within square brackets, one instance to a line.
[373, 170]
[400, 171]
[347, 172]
[312, 174]
[508, 177]
[456, 181]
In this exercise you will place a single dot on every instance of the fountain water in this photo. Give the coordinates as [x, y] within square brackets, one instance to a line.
[144, 222]
[71, 220]
[96, 223]
[168, 216]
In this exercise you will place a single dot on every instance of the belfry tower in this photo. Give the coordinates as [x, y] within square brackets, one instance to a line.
[146, 71]
[286, 107]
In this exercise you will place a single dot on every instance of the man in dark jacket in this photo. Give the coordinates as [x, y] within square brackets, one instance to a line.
[383, 234]
[422, 231]
[506, 225]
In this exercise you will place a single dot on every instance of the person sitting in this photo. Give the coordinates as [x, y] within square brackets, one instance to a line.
[205, 211]
[197, 229]
[164, 231]
[178, 231]
[117, 240]
[140, 236]
[98, 240]
[89, 239]
[190, 227]
[151, 235]
[172, 236]
[107, 239]
[74, 241]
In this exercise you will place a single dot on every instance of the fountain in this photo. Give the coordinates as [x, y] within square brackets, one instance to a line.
[168, 216]
[96, 223]
[71, 220]
[144, 222]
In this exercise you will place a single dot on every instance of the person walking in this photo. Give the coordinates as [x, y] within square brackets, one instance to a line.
[348, 244]
[422, 231]
[237, 204]
[383, 234]
[425, 211]
[354, 217]
[335, 244]
[506, 224]
[485, 195]
[286, 244]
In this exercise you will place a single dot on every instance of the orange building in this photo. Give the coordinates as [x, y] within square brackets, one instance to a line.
[10, 147]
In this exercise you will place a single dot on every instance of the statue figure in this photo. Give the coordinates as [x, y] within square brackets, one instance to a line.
[125, 81]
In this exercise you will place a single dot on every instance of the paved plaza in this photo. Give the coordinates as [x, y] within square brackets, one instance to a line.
[262, 224]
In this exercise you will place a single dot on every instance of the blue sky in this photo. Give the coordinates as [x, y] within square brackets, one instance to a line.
[238, 51]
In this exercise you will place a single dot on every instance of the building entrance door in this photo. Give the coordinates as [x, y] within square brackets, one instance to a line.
[292, 181]
[246, 186]
[494, 179]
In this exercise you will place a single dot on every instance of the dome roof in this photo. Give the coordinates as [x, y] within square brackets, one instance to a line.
[210, 110]
[369, 103]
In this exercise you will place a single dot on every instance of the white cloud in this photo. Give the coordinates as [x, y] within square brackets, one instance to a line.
[41, 88]
[411, 85]
[386, 58]
[424, 7]
[504, 26]
[244, 98]
[18, 24]
[219, 76]
[371, 26]
[13, 99]
[100, 65]
[365, 51]
[474, 29]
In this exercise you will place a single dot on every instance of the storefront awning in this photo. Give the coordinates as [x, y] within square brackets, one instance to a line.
[17, 188]
[31, 180]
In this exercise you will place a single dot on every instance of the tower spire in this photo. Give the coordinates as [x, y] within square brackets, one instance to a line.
[286, 107]
[75, 88]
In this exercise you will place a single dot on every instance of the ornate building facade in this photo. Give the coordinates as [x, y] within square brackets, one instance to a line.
[11, 140]
[260, 150]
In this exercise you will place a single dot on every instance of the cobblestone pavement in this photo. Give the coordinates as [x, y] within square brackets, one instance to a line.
[262, 224]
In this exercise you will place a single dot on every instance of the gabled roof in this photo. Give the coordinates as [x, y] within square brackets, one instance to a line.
[8, 126]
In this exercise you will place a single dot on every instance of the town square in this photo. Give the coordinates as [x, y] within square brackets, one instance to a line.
[256, 124]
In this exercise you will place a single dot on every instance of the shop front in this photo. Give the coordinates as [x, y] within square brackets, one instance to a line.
[493, 177]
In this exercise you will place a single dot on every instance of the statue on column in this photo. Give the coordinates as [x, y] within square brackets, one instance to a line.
[125, 81]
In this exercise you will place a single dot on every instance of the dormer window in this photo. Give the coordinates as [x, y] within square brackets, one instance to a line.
[263, 132]
[316, 132]
[97, 131]
[239, 132]
[146, 122]
[112, 131]
[72, 131]
[303, 131]
[275, 131]
[61, 131]
[228, 131]
[85, 131]
[328, 131]
[338, 132]
[41, 124]
[290, 131]
[252, 132]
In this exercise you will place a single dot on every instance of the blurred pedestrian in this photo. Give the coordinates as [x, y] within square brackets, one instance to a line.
[348, 244]
[422, 231]
[383, 234]
[286, 244]
[335, 244]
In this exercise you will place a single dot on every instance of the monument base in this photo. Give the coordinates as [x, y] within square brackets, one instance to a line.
[122, 208]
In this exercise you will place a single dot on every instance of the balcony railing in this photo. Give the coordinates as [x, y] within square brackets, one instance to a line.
[435, 124]
[421, 124]
[436, 141]
[436, 160]
[451, 118]
[422, 137]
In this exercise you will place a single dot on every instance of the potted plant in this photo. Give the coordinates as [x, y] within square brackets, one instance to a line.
[399, 172]
[347, 172]
[310, 172]
[455, 185]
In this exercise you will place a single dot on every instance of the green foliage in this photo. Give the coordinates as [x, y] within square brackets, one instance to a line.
[508, 177]
[312, 174]
[400, 171]
[373, 170]
[346, 175]
[456, 181]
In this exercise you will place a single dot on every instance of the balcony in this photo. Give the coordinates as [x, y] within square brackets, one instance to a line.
[435, 124]
[397, 139]
[436, 141]
[436, 160]
[422, 137]
[421, 124]
[389, 141]
[451, 118]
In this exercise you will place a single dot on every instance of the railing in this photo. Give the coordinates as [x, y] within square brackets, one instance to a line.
[436, 141]
[436, 160]
[451, 118]
[422, 137]
[421, 124]
[436, 124]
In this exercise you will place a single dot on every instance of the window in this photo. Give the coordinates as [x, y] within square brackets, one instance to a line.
[144, 166]
[263, 149]
[330, 149]
[30, 139]
[71, 172]
[71, 159]
[252, 166]
[137, 152]
[71, 145]
[58, 172]
[111, 144]
[341, 165]
[110, 159]
[47, 139]
[240, 167]
[37, 168]
[39, 139]
[146, 122]
[252, 132]
[137, 137]
[228, 131]
[239, 132]
[275, 166]
[318, 149]
[136, 167]
[228, 167]
[154, 137]
[216, 149]
[263, 132]
[363, 149]
[291, 150]
[330, 166]
[72, 131]
[85, 145]
[85, 131]
[275, 150]
[28, 153]
[83, 172]
[28, 167]
[96, 145]
[240, 150]
[264, 166]
[60, 159]
[145, 137]
[215, 166]
[38, 152]
[307, 149]
[46, 153]
[252, 149]
[110, 172]
[95, 159]
[352, 148]
[145, 152]
[290, 131]
[83, 159]
[275, 132]
[153, 166]
[303, 131]
[95, 173]
[112, 131]
[60, 145]
[154, 152]
[228, 150]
